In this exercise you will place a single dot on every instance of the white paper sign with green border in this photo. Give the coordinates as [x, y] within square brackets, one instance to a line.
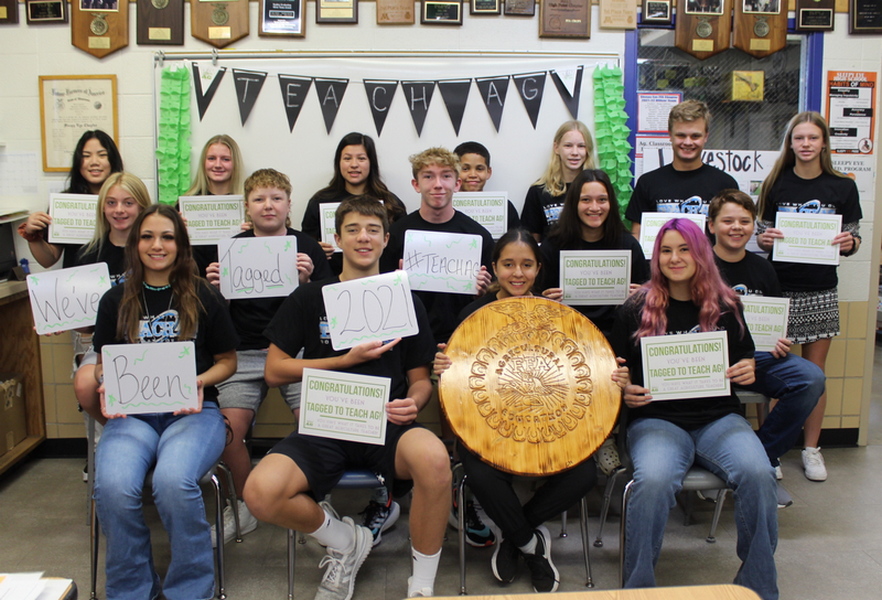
[442, 262]
[766, 319]
[73, 218]
[688, 365]
[808, 238]
[377, 308]
[651, 222]
[595, 277]
[489, 209]
[327, 217]
[149, 378]
[212, 218]
[344, 406]
[258, 267]
[67, 298]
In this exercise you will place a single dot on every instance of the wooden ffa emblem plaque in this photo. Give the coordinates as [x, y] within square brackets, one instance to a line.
[530, 389]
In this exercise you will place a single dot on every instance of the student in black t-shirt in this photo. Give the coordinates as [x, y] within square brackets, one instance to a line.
[267, 208]
[285, 487]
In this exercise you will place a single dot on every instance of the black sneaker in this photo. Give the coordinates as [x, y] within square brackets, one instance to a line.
[505, 561]
[542, 571]
[477, 532]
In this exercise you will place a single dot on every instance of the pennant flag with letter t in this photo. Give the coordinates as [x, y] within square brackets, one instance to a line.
[248, 86]
[379, 94]
[330, 94]
[455, 93]
[294, 90]
[530, 87]
[203, 100]
[493, 90]
[569, 86]
[418, 95]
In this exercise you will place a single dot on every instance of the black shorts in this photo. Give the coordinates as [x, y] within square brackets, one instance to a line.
[324, 460]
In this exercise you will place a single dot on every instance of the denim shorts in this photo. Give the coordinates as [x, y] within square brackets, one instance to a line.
[247, 387]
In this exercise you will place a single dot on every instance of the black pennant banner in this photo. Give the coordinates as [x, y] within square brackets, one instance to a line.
[248, 86]
[493, 91]
[380, 93]
[419, 97]
[294, 90]
[203, 100]
[455, 94]
[330, 94]
[530, 87]
[571, 99]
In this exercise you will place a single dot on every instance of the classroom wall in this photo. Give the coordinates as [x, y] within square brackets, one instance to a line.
[46, 50]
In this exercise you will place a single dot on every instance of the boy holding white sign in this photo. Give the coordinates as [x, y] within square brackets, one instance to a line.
[267, 208]
[285, 487]
[795, 382]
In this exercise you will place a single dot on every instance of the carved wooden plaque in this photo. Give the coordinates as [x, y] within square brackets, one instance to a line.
[703, 27]
[530, 388]
[99, 27]
[161, 22]
[760, 26]
[219, 23]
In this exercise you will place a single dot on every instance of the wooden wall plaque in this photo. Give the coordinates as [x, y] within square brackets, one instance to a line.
[530, 389]
[161, 22]
[760, 26]
[703, 27]
[99, 31]
[219, 23]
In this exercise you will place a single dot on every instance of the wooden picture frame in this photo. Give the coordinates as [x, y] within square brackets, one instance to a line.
[336, 11]
[441, 12]
[70, 105]
[656, 12]
[41, 12]
[282, 18]
[485, 7]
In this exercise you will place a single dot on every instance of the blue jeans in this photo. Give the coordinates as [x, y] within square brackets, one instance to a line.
[728, 447]
[797, 384]
[180, 449]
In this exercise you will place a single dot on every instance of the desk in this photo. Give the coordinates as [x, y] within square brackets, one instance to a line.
[697, 592]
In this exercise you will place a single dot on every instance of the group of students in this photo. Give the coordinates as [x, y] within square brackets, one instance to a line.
[245, 346]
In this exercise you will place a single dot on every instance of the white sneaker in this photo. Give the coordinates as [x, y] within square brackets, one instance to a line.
[813, 463]
[779, 474]
[247, 523]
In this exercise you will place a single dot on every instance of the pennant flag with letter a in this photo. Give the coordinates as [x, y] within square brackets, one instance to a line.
[248, 86]
[330, 94]
[380, 93]
[418, 95]
[294, 90]
[204, 99]
[455, 93]
[569, 86]
[493, 90]
[530, 87]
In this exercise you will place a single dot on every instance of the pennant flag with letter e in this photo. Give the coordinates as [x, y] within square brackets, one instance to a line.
[380, 93]
[419, 97]
[248, 86]
[330, 94]
[204, 99]
[530, 87]
[294, 90]
[569, 86]
[455, 93]
[493, 90]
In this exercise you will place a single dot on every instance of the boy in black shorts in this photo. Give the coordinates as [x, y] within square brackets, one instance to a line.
[285, 487]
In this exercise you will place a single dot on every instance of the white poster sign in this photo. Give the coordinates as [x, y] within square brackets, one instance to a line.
[442, 262]
[344, 406]
[258, 267]
[67, 299]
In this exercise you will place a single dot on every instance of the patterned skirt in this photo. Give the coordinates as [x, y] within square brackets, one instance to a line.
[813, 316]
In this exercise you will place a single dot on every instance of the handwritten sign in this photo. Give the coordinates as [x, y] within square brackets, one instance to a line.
[344, 406]
[490, 209]
[689, 365]
[766, 319]
[808, 238]
[258, 267]
[149, 378]
[329, 225]
[67, 298]
[442, 262]
[595, 276]
[651, 222]
[370, 308]
[73, 218]
[212, 218]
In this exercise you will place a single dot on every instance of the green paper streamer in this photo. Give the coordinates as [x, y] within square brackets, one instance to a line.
[611, 131]
[173, 139]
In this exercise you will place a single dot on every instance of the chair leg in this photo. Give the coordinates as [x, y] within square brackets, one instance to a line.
[583, 522]
[604, 509]
[460, 513]
[291, 550]
[622, 540]
[219, 533]
[94, 534]
[721, 498]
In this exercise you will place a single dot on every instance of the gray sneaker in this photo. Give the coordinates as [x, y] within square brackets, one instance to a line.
[339, 579]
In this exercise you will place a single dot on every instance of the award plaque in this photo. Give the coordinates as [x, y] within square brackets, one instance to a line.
[529, 389]
[8, 12]
[760, 26]
[520, 8]
[441, 12]
[485, 7]
[161, 22]
[99, 27]
[336, 11]
[219, 23]
[395, 12]
[656, 12]
[864, 16]
[815, 15]
[46, 11]
[703, 27]
[565, 19]
[281, 18]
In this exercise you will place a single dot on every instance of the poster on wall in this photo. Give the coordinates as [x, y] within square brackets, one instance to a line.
[851, 98]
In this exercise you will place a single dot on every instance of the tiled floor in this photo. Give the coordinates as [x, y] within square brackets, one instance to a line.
[830, 539]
